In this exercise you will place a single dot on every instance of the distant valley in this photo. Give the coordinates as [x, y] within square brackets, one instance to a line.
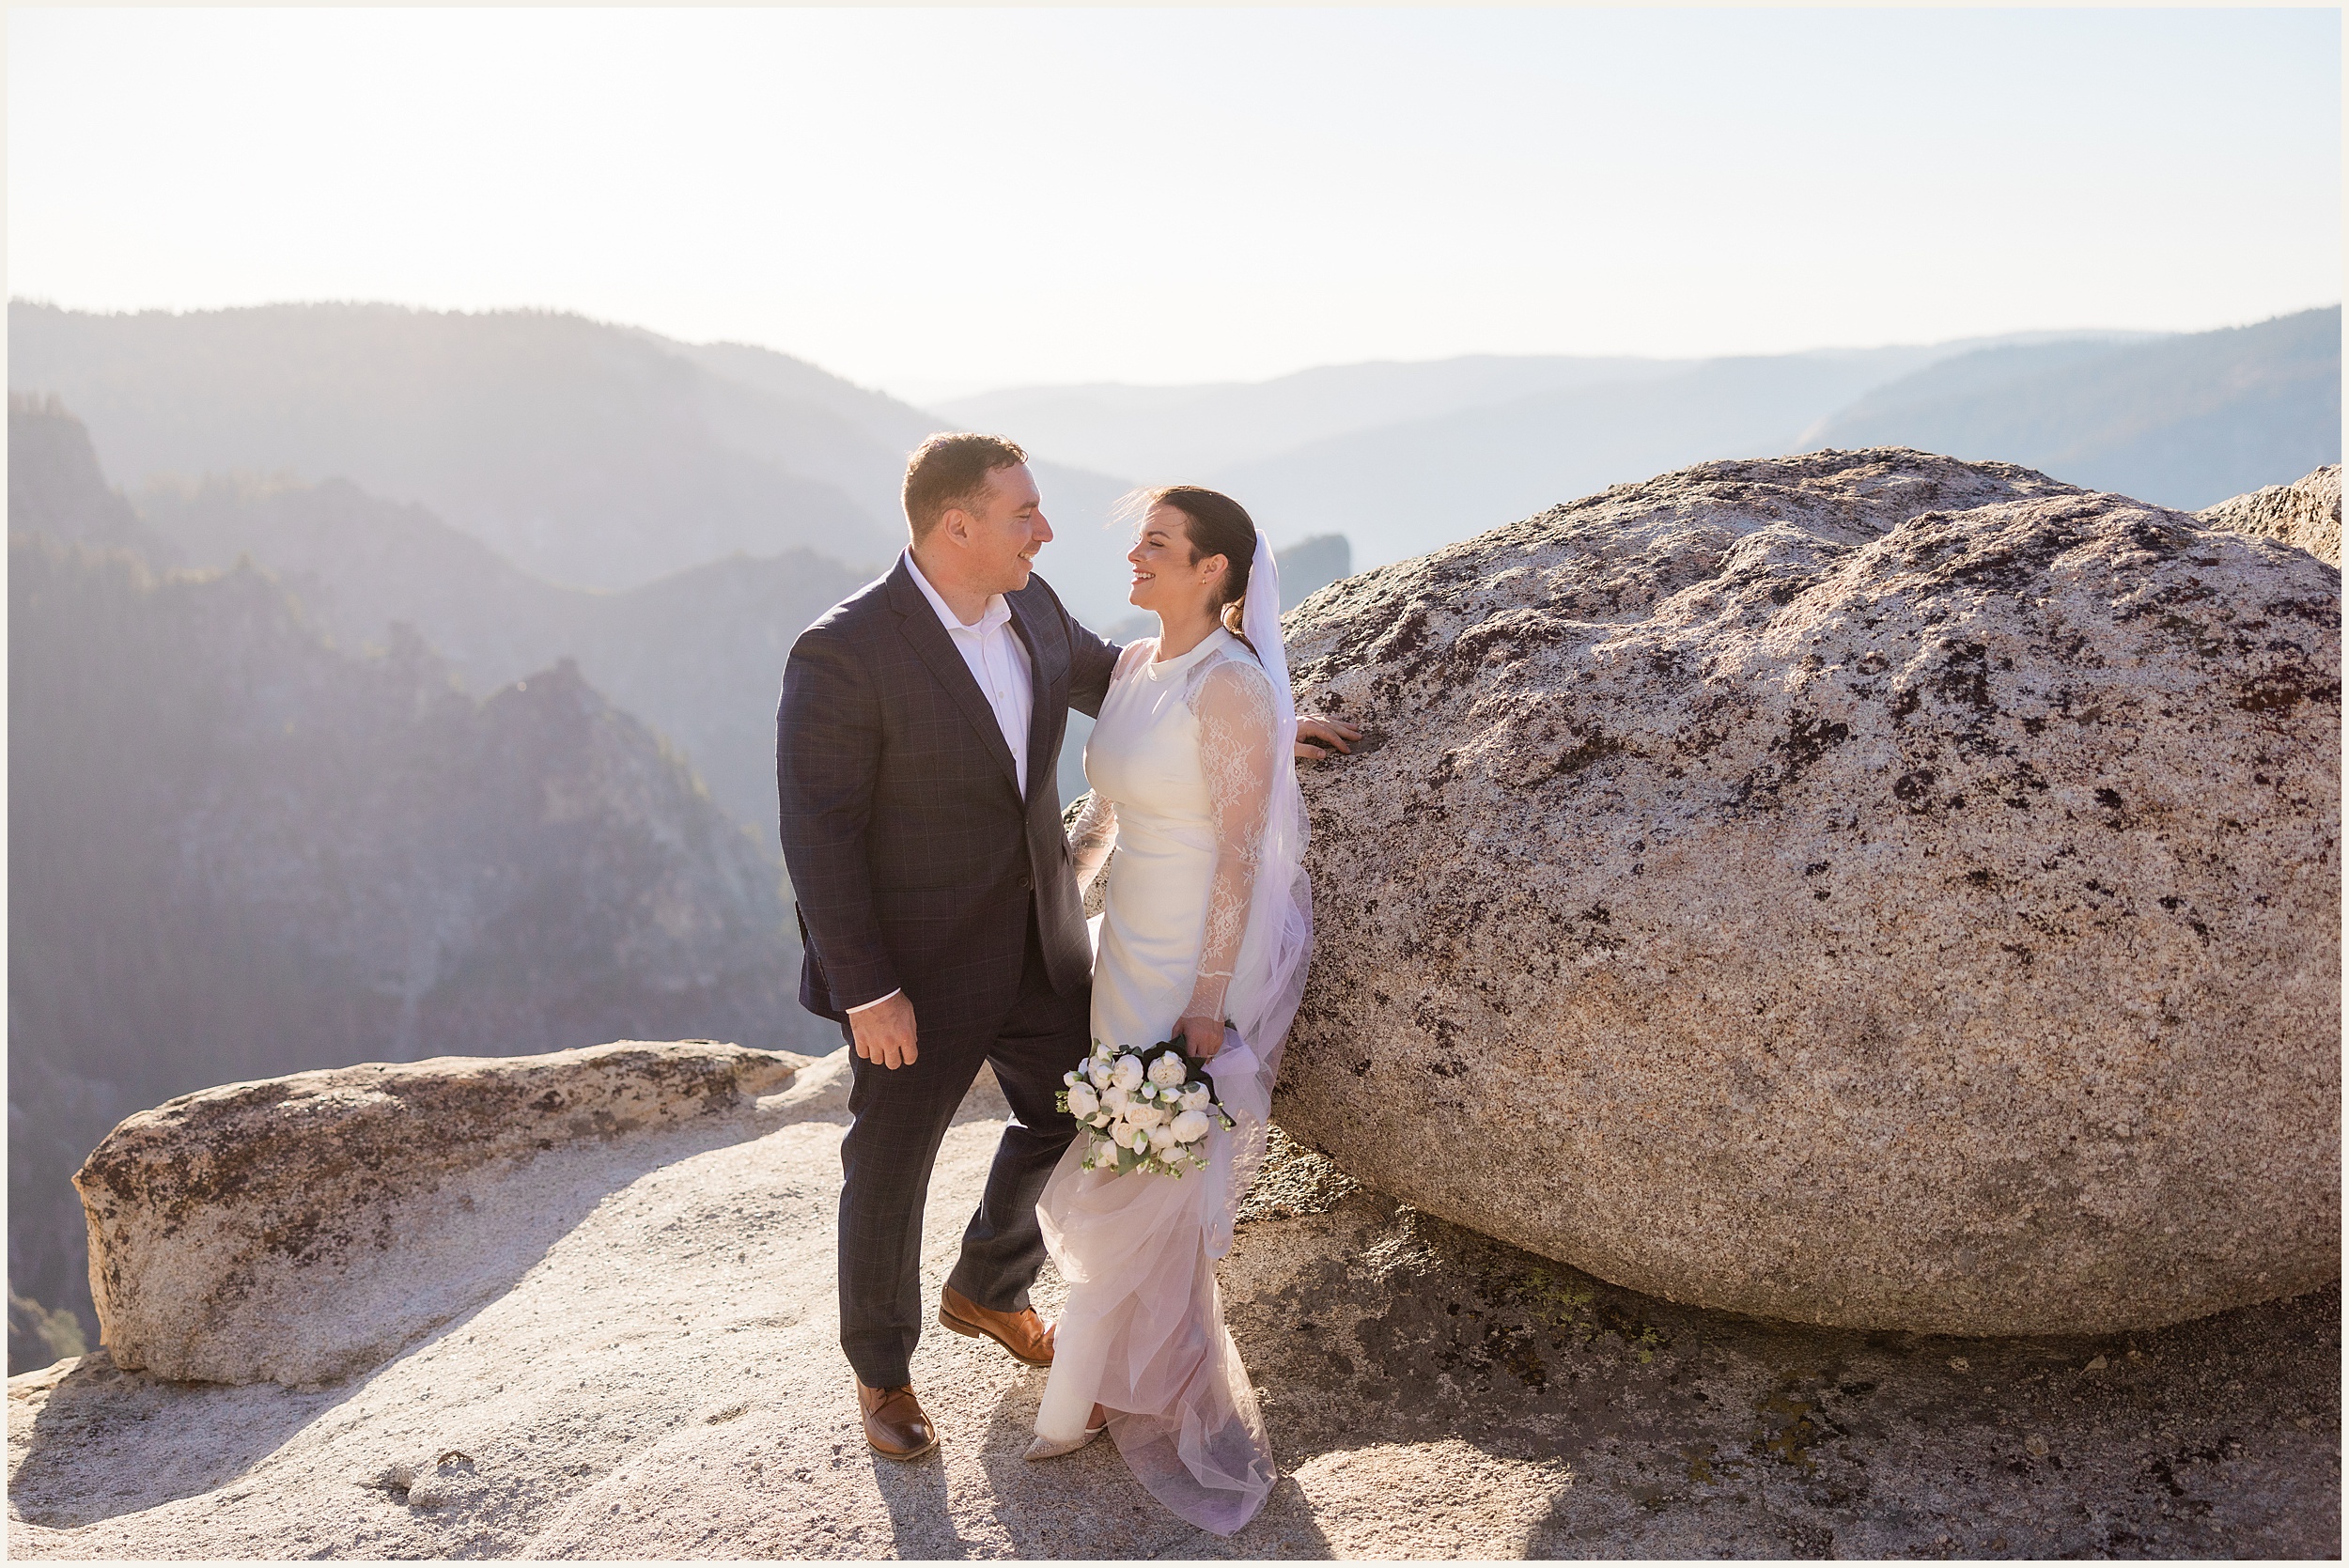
[388, 681]
[699, 653]
[238, 851]
[605, 458]
[586, 455]
[2184, 420]
[1403, 459]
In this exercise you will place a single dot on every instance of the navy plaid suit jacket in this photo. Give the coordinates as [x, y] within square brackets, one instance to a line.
[913, 855]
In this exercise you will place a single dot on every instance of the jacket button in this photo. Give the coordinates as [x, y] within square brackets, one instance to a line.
[1027, 882]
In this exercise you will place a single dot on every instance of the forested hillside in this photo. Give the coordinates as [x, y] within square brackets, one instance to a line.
[54, 485]
[236, 851]
[698, 654]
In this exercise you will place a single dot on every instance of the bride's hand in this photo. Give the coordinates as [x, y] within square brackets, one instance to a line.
[1201, 1036]
[1317, 738]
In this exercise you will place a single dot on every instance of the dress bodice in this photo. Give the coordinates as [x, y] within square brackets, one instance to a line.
[1143, 753]
[1177, 762]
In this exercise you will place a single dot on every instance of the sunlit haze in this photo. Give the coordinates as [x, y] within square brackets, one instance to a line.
[936, 202]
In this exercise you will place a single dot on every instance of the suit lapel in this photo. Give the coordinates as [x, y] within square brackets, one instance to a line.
[1049, 684]
[920, 626]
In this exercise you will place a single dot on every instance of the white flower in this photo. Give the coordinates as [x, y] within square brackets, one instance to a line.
[1138, 1138]
[1195, 1097]
[1129, 1072]
[1114, 1099]
[1145, 1115]
[1082, 1101]
[1167, 1070]
[1100, 1072]
[1161, 1138]
[1102, 1120]
[1191, 1126]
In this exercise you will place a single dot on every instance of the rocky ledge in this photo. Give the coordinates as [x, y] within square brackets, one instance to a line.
[1862, 888]
[302, 1228]
[661, 1377]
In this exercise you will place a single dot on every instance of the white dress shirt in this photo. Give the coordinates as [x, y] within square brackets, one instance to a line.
[999, 662]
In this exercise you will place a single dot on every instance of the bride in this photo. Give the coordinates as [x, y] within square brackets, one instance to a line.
[1205, 928]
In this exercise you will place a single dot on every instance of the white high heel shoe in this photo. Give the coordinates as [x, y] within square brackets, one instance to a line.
[1050, 1447]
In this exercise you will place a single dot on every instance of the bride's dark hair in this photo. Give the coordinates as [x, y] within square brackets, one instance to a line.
[1217, 525]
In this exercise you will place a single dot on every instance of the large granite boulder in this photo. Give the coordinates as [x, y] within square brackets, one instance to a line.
[1860, 888]
[2306, 514]
[302, 1228]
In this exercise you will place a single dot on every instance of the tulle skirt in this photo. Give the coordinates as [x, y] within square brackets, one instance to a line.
[1143, 1333]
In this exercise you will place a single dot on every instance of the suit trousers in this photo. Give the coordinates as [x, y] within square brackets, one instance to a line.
[899, 1118]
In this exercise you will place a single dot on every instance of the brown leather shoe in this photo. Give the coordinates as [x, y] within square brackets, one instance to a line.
[1028, 1337]
[893, 1421]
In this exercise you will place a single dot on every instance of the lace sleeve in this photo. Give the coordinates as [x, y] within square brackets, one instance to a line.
[1090, 837]
[1233, 703]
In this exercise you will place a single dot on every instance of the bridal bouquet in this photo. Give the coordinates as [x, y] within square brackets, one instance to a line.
[1143, 1109]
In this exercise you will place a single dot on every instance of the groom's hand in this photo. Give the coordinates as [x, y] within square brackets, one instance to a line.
[1317, 738]
[884, 1033]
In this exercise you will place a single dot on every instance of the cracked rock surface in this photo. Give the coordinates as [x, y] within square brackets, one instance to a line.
[666, 1382]
[1863, 887]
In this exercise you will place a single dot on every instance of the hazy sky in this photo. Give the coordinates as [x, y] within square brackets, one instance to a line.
[937, 201]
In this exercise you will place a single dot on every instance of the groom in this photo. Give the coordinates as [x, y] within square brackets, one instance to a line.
[916, 752]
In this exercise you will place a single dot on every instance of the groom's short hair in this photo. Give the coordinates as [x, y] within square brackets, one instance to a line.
[951, 470]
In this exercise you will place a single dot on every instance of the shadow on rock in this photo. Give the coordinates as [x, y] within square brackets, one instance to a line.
[1088, 1504]
[1674, 1431]
[134, 1428]
[920, 1520]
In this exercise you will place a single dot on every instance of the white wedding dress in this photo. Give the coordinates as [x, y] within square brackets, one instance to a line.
[1206, 912]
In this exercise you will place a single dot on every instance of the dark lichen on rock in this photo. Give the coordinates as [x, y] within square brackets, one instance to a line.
[1882, 765]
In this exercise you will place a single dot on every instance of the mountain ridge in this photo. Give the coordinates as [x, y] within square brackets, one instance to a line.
[583, 452]
[589, 454]
[2187, 421]
[240, 850]
[1394, 485]
[697, 653]
[1515, 459]
[1256, 421]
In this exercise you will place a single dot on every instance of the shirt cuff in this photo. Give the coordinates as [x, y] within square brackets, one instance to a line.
[863, 1006]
